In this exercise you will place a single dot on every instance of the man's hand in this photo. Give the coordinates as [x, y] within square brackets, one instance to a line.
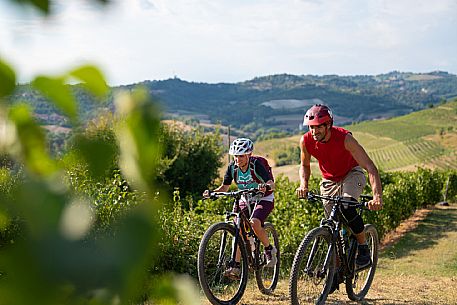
[302, 192]
[376, 203]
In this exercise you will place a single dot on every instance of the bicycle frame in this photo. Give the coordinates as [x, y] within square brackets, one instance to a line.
[345, 251]
[243, 229]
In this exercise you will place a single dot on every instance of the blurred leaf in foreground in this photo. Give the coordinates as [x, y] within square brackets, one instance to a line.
[92, 79]
[7, 79]
[96, 153]
[59, 262]
[30, 146]
[60, 94]
[138, 134]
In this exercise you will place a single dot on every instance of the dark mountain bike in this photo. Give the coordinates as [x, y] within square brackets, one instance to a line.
[218, 249]
[315, 262]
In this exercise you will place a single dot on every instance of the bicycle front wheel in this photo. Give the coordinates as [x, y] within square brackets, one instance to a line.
[357, 287]
[214, 256]
[313, 268]
[267, 277]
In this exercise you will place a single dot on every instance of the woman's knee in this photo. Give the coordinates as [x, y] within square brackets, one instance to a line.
[256, 223]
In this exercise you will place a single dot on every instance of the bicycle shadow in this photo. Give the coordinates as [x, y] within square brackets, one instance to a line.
[369, 301]
[434, 226]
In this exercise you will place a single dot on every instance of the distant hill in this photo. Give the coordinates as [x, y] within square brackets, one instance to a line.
[279, 101]
[426, 138]
[276, 102]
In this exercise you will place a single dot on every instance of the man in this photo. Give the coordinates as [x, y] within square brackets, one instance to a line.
[341, 159]
[246, 177]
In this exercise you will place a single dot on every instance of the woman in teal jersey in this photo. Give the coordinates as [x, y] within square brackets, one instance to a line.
[248, 172]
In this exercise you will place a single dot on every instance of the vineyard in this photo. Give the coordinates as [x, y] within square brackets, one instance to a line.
[426, 138]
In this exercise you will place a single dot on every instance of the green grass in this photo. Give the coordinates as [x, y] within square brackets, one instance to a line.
[415, 125]
[430, 249]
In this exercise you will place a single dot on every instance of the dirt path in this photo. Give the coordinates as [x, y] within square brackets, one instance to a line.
[417, 265]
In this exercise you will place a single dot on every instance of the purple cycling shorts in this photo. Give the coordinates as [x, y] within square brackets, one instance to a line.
[261, 210]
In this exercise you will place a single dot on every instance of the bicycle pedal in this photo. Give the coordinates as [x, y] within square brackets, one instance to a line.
[233, 277]
[359, 269]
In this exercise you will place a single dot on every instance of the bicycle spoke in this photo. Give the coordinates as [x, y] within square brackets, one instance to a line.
[213, 262]
[357, 287]
[311, 275]
[267, 277]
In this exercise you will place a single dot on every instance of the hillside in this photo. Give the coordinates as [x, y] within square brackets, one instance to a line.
[275, 102]
[279, 101]
[426, 138]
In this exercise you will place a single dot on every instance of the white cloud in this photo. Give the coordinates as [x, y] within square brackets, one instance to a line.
[232, 40]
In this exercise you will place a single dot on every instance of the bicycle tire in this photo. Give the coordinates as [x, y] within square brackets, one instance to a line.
[267, 278]
[214, 255]
[358, 285]
[311, 285]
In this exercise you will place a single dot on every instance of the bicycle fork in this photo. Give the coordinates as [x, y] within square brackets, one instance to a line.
[321, 272]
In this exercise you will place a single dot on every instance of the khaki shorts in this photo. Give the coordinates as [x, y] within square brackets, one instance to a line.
[351, 186]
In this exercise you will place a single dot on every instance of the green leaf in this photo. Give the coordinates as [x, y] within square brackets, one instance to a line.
[98, 154]
[42, 5]
[32, 141]
[59, 93]
[138, 135]
[7, 79]
[92, 79]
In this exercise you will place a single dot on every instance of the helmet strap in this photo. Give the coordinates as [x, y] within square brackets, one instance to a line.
[328, 128]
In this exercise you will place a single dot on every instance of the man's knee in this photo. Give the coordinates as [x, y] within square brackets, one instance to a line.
[353, 219]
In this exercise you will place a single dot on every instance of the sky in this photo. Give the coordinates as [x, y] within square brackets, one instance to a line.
[231, 41]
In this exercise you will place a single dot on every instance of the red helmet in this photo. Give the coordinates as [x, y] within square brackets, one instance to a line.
[317, 115]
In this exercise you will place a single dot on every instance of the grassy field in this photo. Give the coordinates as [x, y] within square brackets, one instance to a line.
[426, 138]
[419, 268]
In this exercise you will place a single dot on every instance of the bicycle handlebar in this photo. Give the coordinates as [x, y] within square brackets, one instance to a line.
[234, 194]
[337, 199]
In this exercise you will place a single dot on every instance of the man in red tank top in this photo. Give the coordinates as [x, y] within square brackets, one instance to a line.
[341, 161]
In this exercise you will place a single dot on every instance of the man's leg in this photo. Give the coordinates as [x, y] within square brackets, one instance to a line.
[353, 185]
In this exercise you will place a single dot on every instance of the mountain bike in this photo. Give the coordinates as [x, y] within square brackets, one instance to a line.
[323, 249]
[218, 249]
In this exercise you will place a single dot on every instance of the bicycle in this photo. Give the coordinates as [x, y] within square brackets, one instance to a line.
[217, 252]
[315, 262]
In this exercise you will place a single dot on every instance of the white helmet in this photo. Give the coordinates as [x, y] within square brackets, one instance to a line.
[241, 146]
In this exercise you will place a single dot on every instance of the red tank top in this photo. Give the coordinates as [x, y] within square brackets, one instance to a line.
[335, 161]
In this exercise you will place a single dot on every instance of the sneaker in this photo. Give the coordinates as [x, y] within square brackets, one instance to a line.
[233, 273]
[271, 257]
[363, 258]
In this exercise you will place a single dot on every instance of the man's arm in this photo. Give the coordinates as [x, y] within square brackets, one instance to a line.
[305, 169]
[364, 161]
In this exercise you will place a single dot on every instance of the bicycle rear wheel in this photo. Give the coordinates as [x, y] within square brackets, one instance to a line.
[214, 255]
[357, 287]
[311, 277]
[267, 277]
